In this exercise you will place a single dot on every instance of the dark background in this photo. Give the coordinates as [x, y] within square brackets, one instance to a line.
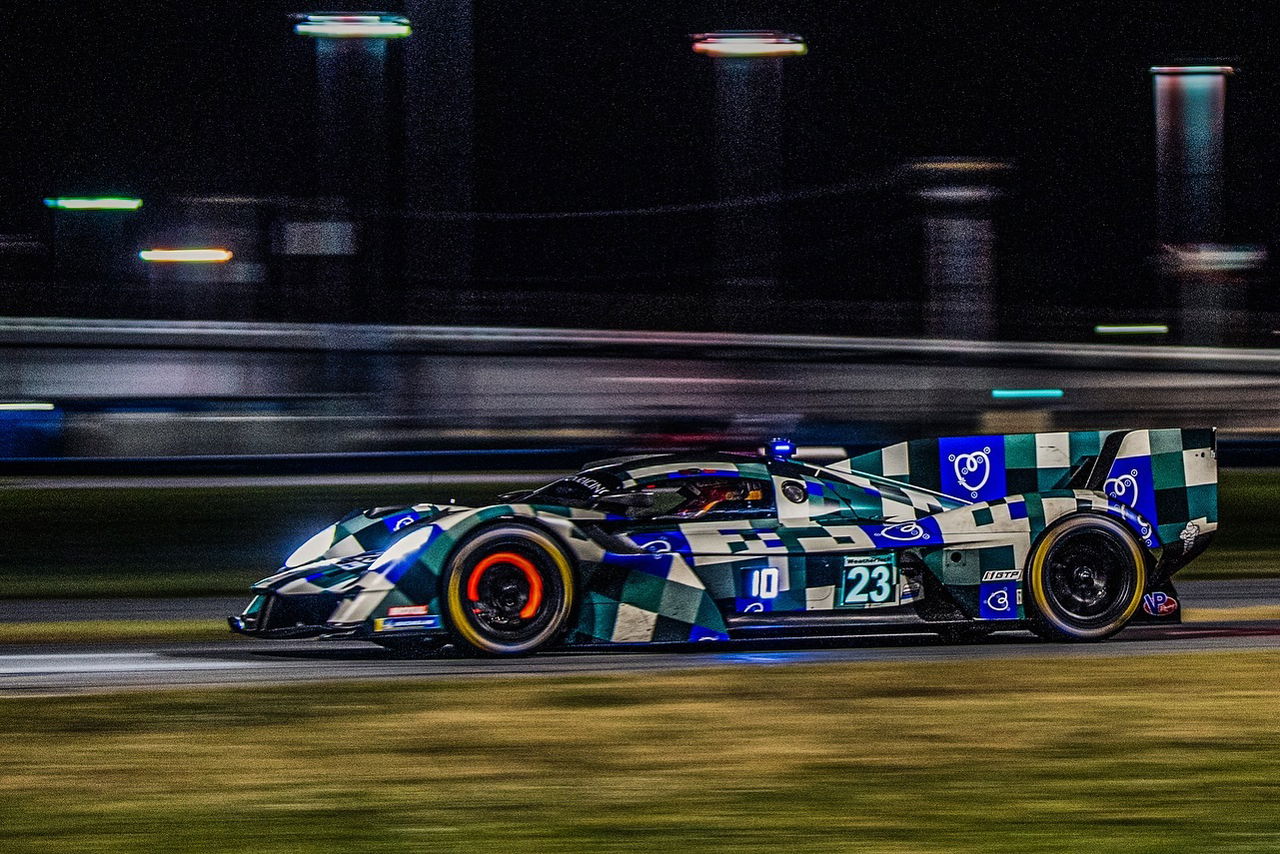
[602, 105]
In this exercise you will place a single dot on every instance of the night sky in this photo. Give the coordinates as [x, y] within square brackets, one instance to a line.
[585, 105]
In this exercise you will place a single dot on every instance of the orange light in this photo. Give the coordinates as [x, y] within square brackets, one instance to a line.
[519, 562]
[749, 43]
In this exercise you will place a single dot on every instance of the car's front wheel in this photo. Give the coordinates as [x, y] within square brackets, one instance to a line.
[508, 591]
[1085, 579]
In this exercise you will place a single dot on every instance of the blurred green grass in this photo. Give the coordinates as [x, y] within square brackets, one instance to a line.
[113, 631]
[1158, 753]
[173, 542]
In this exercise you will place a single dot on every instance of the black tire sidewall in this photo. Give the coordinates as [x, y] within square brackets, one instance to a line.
[1048, 621]
[553, 564]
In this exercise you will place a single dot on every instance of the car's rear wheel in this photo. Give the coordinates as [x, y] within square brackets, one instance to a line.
[1084, 580]
[508, 591]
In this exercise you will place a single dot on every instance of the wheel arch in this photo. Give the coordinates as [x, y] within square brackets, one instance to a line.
[511, 520]
[1120, 523]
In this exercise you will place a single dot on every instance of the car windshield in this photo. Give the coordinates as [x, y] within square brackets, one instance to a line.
[578, 490]
[680, 498]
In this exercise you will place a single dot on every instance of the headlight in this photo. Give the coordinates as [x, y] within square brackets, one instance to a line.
[312, 548]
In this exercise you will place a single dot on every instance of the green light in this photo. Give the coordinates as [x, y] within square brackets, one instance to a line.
[353, 26]
[104, 203]
[1026, 393]
[1132, 329]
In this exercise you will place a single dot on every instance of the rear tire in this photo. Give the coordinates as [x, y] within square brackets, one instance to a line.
[508, 591]
[1084, 580]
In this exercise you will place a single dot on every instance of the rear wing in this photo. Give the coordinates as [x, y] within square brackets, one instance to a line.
[1168, 476]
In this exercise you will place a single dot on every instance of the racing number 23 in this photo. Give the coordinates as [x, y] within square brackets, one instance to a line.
[867, 584]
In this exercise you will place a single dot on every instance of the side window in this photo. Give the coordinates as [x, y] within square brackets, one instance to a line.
[846, 498]
[692, 498]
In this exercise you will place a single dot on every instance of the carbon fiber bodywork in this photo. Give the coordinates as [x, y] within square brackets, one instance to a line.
[917, 536]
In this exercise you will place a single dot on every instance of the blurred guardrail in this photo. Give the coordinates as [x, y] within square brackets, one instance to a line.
[151, 389]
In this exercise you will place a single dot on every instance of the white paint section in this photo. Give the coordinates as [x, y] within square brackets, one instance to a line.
[789, 512]
[1199, 467]
[1135, 444]
[820, 598]
[682, 574]
[1053, 450]
[634, 625]
[895, 460]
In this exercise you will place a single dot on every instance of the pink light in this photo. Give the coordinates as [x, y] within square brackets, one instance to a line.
[1193, 69]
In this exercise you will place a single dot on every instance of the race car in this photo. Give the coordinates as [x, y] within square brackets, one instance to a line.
[1070, 535]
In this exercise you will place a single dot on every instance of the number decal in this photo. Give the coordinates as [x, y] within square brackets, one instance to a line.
[884, 589]
[868, 582]
[855, 588]
[764, 583]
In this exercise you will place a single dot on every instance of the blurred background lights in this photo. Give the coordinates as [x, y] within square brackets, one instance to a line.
[374, 25]
[104, 203]
[196, 256]
[749, 43]
[1193, 69]
[1026, 393]
[26, 407]
[1131, 329]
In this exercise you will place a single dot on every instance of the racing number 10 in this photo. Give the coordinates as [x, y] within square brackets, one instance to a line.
[857, 580]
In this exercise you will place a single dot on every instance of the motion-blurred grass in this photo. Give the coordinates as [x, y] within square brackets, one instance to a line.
[133, 541]
[1159, 753]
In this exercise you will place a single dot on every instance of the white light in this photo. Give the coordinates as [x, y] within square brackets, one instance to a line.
[188, 256]
[1132, 329]
[26, 407]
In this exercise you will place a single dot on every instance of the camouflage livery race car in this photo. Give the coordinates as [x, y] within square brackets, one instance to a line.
[1070, 535]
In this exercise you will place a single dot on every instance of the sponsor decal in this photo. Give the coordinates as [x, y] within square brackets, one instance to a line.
[972, 467]
[917, 533]
[1123, 488]
[359, 561]
[905, 533]
[660, 542]
[401, 521]
[1129, 483]
[1002, 575]
[386, 624]
[595, 486]
[998, 600]
[1159, 604]
[1189, 535]
[408, 611]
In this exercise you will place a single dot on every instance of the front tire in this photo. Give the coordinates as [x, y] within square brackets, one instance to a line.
[508, 591]
[1085, 579]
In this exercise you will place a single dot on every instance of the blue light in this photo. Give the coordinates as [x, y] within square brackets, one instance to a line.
[781, 449]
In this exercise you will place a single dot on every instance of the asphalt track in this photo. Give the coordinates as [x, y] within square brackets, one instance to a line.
[241, 662]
